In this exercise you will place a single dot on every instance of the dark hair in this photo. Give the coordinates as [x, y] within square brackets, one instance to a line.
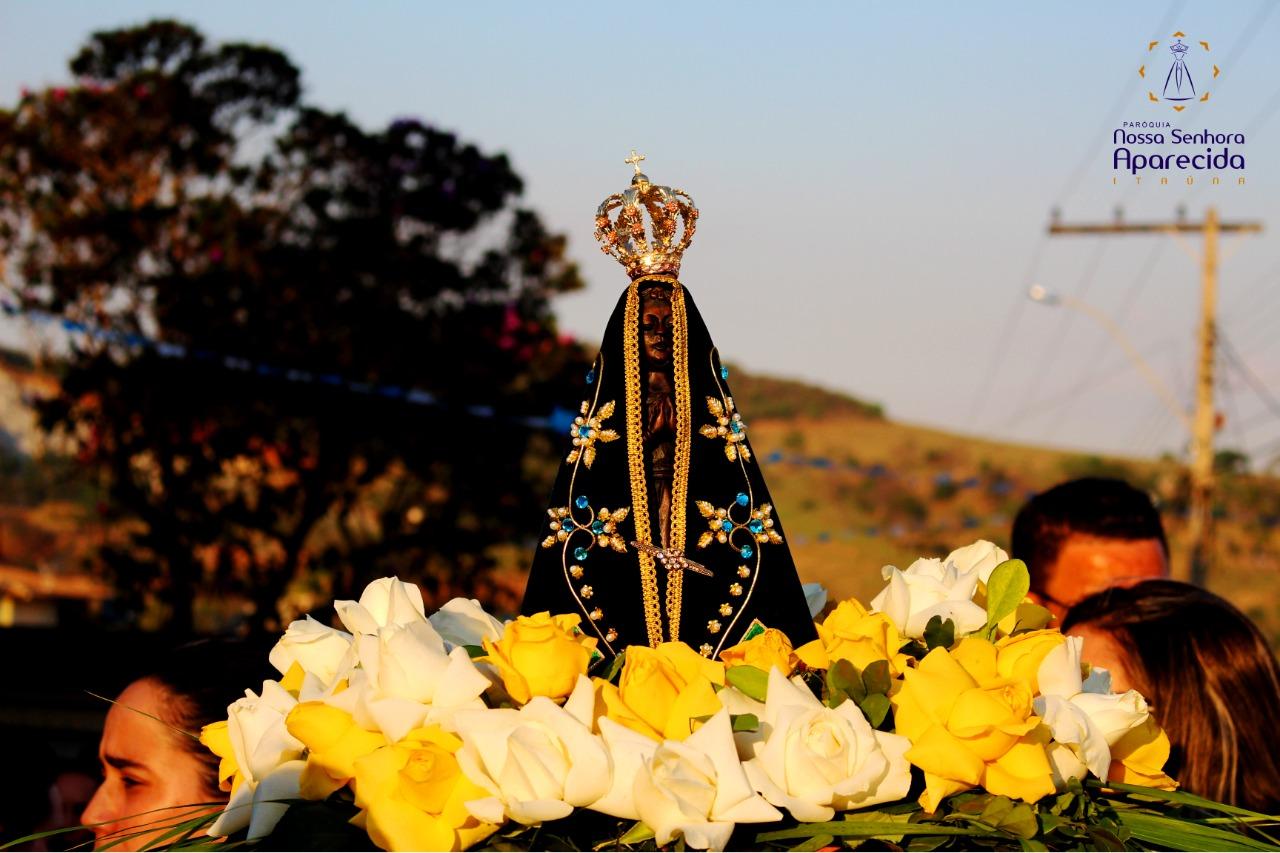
[200, 679]
[1212, 681]
[1091, 506]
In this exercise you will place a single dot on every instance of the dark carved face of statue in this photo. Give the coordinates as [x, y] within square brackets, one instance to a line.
[655, 326]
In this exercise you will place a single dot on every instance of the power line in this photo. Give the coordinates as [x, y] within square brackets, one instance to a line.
[1003, 341]
[1243, 42]
[1050, 353]
[1259, 387]
[1069, 186]
[1153, 430]
[1126, 303]
[1121, 106]
[1232, 411]
[1047, 405]
[1249, 291]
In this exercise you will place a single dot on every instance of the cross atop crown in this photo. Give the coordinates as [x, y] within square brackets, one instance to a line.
[634, 160]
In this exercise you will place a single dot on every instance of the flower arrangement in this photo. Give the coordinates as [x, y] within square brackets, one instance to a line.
[947, 713]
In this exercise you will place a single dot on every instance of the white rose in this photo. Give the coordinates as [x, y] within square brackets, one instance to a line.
[926, 589]
[386, 601]
[1085, 725]
[261, 805]
[463, 622]
[737, 703]
[410, 679]
[815, 595]
[695, 788]
[540, 762]
[815, 761]
[314, 646]
[982, 556]
[266, 754]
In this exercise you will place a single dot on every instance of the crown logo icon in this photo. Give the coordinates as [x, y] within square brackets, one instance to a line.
[653, 248]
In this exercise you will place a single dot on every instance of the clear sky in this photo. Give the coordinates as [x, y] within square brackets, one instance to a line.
[874, 180]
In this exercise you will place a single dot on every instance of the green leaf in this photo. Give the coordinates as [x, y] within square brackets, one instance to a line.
[876, 708]
[1184, 834]
[845, 679]
[876, 677]
[474, 652]
[745, 722]
[939, 633]
[879, 815]
[869, 829]
[751, 680]
[816, 842]
[1008, 585]
[637, 834]
[843, 682]
[1020, 821]
[996, 810]
[1181, 798]
[1101, 838]
[615, 666]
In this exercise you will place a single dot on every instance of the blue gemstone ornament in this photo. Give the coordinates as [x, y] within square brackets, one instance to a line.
[724, 372]
[581, 502]
[726, 525]
[747, 552]
[567, 524]
[755, 525]
[580, 554]
[597, 527]
[743, 499]
[591, 377]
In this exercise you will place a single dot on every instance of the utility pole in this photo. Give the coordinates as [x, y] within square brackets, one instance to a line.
[1199, 534]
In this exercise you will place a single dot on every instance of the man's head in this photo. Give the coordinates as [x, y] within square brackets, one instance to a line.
[1087, 535]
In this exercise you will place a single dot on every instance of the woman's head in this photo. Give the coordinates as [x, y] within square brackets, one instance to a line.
[1209, 675]
[152, 761]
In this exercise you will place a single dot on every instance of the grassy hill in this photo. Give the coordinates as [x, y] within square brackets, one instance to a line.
[857, 491]
[854, 490]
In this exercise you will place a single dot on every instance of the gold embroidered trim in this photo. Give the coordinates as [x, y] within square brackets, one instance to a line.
[751, 497]
[684, 427]
[635, 463]
[564, 551]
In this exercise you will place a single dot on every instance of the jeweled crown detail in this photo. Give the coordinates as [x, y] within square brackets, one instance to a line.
[651, 250]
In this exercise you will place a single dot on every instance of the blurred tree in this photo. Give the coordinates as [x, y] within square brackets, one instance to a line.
[182, 190]
[1229, 460]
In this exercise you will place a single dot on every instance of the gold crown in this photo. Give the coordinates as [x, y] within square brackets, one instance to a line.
[625, 237]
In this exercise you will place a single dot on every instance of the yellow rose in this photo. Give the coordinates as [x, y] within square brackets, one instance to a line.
[412, 795]
[333, 742]
[661, 691]
[1139, 757]
[967, 732]
[217, 739]
[851, 633]
[770, 648]
[978, 658]
[540, 655]
[1020, 656]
